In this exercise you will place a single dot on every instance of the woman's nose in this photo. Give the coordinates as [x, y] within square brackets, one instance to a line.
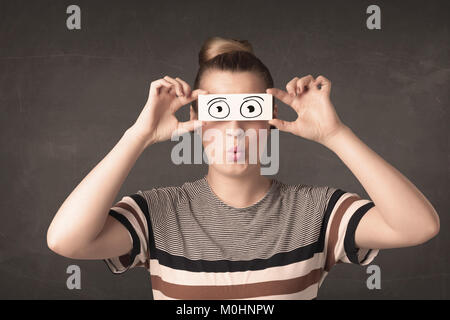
[234, 128]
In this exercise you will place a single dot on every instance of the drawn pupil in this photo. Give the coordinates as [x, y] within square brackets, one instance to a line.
[219, 108]
[251, 108]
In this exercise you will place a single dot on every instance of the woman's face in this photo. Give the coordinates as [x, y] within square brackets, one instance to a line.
[227, 132]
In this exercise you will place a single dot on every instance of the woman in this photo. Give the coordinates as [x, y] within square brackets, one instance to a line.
[235, 234]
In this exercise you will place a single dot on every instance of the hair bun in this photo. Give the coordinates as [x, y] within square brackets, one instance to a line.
[215, 46]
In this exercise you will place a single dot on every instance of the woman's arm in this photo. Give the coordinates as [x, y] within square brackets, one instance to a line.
[402, 216]
[82, 227]
[82, 216]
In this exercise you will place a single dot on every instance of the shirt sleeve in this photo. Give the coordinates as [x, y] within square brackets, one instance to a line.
[343, 212]
[132, 212]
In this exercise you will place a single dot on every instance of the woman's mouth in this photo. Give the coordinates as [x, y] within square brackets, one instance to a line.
[235, 149]
[232, 149]
[235, 153]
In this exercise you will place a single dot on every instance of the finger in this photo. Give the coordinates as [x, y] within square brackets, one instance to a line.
[156, 85]
[177, 85]
[325, 84]
[304, 82]
[173, 91]
[194, 95]
[185, 85]
[281, 95]
[188, 126]
[287, 126]
[196, 92]
[291, 86]
[181, 101]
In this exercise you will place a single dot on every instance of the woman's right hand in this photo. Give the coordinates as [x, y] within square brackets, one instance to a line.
[157, 121]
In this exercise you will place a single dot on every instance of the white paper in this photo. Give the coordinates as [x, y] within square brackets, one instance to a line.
[238, 106]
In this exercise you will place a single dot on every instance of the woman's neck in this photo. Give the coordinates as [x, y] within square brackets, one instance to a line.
[238, 191]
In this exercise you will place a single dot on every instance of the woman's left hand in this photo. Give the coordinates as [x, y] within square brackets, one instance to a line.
[317, 119]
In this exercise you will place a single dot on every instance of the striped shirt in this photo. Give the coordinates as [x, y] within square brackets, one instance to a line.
[195, 246]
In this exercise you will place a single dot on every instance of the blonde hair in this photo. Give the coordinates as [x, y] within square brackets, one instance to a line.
[215, 46]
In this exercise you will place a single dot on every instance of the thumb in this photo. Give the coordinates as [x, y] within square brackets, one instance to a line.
[282, 125]
[194, 94]
[187, 126]
[183, 100]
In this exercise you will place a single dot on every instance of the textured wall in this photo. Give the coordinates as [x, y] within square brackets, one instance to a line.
[66, 97]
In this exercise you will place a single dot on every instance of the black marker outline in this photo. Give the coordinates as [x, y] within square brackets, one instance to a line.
[224, 101]
[260, 106]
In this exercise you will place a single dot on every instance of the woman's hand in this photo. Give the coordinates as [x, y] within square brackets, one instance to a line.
[157, 121]
[317, 119]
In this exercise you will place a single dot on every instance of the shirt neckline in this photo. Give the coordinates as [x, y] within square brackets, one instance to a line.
[223, 204]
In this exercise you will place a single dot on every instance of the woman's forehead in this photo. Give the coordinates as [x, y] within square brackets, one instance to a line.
[227, 82]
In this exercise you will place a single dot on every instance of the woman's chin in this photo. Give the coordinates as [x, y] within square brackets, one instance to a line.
[237, 167]
[234, 164]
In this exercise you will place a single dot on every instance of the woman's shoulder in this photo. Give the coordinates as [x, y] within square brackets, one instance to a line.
[171, 192]
[315, 192]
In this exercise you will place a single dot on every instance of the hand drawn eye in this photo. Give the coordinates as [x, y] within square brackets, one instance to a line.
[251, 109]
[219, 110]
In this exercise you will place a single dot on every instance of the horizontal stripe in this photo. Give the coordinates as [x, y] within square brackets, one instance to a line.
[309, 293]
[243, 277]
[243, 291]
[280, 259]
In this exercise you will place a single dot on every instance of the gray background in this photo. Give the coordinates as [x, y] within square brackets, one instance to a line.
[66, 98]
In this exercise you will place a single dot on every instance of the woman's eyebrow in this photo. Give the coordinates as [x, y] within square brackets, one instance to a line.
[254, 97]
[226, 99]
[215, 99]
